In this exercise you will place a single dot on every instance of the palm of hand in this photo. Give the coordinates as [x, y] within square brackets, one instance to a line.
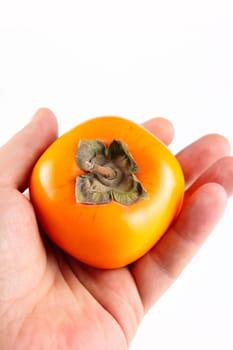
[61, 302]
[49, 301]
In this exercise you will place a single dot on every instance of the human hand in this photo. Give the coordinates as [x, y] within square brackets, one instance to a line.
[49, 300]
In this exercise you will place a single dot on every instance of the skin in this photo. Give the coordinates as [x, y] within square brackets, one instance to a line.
[50, 301]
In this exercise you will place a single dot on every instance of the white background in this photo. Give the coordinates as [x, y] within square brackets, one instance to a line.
[136, 59]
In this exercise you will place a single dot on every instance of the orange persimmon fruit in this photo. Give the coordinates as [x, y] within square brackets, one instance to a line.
[106, 191]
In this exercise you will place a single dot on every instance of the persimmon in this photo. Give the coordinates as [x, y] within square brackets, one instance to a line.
[106, 191]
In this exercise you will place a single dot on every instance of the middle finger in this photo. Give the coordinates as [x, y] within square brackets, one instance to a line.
[201, 154]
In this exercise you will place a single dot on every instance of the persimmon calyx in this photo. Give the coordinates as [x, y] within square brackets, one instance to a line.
[109, 174]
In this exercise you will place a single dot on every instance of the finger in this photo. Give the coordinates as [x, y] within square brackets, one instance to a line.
[201, 154]
[158, 269]
[18, 156]
[220, 172]
[161, 128]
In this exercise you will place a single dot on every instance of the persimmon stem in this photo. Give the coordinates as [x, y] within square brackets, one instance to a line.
[109, 174]
[104, 171]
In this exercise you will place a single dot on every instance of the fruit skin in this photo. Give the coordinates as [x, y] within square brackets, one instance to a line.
[107, 235]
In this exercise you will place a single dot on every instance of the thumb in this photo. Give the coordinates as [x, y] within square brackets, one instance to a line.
[18, 156]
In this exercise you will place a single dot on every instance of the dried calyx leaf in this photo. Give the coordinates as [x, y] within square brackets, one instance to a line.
[110, 174]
